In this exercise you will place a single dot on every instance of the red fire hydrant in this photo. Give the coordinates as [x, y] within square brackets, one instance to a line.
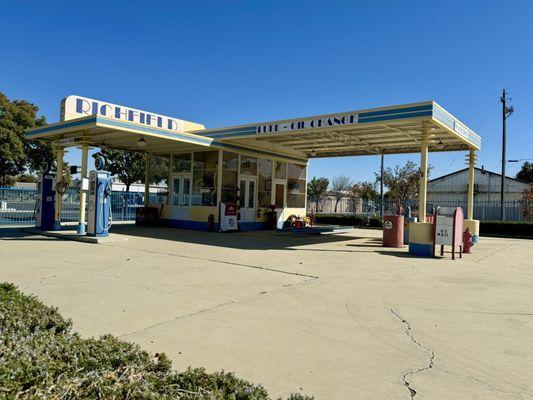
[467, 241]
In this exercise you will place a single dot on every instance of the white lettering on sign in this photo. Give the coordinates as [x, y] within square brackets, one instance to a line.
[444, 230]
[461, 130]
[311, 123]
[77, 107]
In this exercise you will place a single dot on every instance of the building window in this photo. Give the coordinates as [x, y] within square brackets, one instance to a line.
[181, 162]
[264, 190]
[230, 173]
[281, 170]
[296, 185]
[248, 165]
[204, 192]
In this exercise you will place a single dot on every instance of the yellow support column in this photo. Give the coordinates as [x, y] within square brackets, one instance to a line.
[470, 222]
[59, 188]
[147, 180]
[219, 178]
[83, 193]
[421, 233]
[423, 174]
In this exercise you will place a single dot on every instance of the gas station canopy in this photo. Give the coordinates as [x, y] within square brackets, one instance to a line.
[284, 146]
[386, 130]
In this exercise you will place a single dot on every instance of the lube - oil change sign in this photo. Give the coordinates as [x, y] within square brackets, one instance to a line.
[309, 123]
[73, 107]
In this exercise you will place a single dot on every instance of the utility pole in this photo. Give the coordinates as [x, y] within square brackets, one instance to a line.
[506, 113]
[382, 211]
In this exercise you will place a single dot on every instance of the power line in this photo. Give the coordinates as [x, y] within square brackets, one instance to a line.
[488, 115]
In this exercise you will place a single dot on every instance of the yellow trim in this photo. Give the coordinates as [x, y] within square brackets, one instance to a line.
[473, 224]
[421, 233]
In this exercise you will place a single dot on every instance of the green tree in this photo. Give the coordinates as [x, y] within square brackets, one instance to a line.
[316, 188]
[128, 166]
[403, 183]
[364, 190]
[159, 168]
[18, 154]
[340, 187]
[526, 172]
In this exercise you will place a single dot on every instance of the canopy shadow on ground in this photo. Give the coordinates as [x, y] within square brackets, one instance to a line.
[250, 240]
[18, 233]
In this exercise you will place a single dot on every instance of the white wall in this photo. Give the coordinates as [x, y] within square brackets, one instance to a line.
[487, 187]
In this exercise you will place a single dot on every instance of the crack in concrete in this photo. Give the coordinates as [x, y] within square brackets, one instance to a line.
[500, 390]
[225, 262]
[205, 310]
[431, 360]
[478, 261]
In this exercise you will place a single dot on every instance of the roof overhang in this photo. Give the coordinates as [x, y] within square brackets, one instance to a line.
[100, 131]
[387, 130]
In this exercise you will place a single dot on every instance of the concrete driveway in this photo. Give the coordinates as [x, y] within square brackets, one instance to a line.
[336, 316]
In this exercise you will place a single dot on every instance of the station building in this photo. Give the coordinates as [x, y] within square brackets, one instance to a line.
[262, 165]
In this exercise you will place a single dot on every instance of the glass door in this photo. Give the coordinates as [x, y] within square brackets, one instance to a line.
[247, 200]
[181, 195]
[280, 200]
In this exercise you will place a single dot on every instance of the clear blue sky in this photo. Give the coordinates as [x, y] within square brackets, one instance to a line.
[234, 62]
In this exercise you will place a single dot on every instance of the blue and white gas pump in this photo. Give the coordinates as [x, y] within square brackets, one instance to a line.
[99, 216]
[45, 204]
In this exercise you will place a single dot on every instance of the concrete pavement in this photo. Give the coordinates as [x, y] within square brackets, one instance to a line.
[336, 316]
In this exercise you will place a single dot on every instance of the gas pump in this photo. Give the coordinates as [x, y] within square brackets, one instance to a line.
[45, 204]
[99, 216]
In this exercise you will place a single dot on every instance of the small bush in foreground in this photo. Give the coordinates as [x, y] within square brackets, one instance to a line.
[41, 357]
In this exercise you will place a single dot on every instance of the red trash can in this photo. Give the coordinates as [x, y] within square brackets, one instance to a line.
[393, 231]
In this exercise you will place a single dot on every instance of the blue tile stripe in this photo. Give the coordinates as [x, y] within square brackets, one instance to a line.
[446, 119]
[427, 107]
[220, 133]
[363, 120]
[69, 124]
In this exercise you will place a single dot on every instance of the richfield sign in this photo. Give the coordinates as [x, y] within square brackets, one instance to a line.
[73, 107]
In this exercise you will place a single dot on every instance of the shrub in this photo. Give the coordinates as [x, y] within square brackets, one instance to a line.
[348, 219]
[375, 222]
[506, 228]
[42, 357]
